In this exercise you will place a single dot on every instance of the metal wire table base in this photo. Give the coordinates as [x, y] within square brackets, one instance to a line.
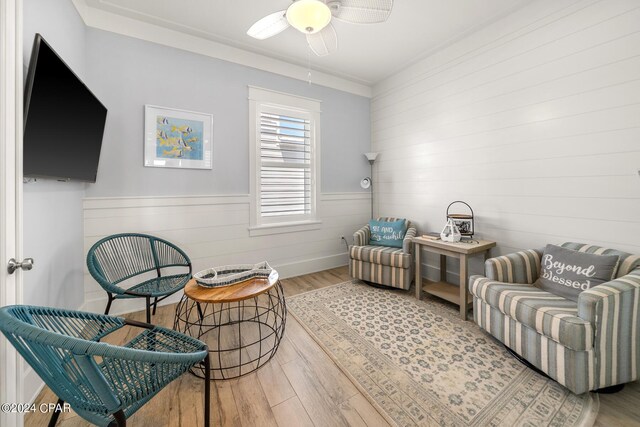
[241, 336]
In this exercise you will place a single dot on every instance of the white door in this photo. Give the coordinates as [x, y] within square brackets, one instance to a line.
[10, 194]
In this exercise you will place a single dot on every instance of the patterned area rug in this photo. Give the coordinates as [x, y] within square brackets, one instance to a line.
[420, 364]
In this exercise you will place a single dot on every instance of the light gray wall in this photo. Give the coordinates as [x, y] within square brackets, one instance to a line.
[53, 210]
[127, 73]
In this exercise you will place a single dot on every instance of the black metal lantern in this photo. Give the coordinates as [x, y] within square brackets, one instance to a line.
[464, 221]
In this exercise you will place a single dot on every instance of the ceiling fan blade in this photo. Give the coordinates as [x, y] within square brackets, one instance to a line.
[361, 11]
[269, 26]
[323, 42]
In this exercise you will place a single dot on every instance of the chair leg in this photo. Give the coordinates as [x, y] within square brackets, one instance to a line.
[207, 391]
[155, 305]
[148, 309]
[120, 419]
[610, 390]
[106, 311]
[54, 417]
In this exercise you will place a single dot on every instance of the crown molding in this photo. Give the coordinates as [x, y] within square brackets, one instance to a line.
[107, 21]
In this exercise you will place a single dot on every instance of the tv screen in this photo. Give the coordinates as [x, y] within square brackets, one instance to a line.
[64, 121]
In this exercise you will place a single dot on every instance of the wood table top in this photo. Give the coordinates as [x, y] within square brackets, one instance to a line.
[240, 291]
[463, 247]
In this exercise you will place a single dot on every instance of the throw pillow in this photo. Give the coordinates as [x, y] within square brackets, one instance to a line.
[387, 233]
[566, 273]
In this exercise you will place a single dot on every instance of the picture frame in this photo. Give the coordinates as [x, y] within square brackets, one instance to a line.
[464, 221]
[465, 226]
[175, 138]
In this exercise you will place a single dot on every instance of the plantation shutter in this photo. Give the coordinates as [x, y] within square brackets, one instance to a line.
[285, 164]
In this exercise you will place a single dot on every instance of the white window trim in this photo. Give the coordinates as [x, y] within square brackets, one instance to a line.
[259, 97]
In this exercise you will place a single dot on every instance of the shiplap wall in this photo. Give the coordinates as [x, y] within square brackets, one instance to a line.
[533, 120]
[213, 230]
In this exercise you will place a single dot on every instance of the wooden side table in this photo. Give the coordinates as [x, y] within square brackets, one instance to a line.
[443, 289]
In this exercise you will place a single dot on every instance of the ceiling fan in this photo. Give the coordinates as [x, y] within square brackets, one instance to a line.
[313, 18]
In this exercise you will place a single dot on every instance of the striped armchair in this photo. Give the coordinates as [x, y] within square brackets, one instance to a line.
[379, 264]
[588, 345]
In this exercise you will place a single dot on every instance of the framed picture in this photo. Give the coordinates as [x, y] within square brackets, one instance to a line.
[465, 226]
[177, 138]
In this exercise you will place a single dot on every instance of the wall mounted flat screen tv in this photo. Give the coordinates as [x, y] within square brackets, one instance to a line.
[63, 121]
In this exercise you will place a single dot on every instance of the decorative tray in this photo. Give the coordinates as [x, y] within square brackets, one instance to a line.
[228, 275]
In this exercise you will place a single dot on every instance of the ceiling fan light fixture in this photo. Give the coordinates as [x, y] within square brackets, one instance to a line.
[308, 16]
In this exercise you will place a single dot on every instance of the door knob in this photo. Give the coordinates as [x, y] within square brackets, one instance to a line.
[13, 265]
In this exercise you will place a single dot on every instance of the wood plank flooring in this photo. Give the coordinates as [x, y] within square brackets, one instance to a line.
[299, 387]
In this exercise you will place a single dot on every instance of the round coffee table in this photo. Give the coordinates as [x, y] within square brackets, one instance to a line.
[242, 323]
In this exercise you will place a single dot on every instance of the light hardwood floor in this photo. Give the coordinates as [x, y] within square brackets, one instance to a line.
[300, 386]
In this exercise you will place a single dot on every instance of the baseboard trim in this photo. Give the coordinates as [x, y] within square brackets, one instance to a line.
[124, 306]
[312, 265]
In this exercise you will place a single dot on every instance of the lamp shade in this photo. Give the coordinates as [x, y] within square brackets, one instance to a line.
[365, 183]
[308, 16]
[371, 157]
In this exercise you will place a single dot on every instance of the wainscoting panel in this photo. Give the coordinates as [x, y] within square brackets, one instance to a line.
[213, 230]
[533, 120]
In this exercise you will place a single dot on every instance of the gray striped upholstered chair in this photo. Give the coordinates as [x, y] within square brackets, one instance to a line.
[380, 264]
[588, 345]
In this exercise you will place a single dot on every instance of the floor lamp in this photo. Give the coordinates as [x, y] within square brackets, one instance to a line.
[367, 183]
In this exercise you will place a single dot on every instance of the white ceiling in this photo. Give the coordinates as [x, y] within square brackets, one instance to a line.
[366, 53]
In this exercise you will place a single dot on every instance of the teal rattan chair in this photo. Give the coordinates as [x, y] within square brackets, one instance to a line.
[103, 383]
[121, 257]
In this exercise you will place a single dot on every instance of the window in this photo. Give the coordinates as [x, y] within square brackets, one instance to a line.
[284, 152]
[285, 165]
